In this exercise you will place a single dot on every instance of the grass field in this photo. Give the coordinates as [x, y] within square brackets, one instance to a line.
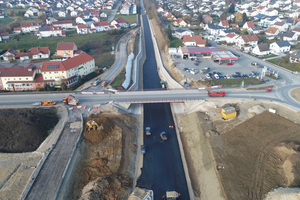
[285, 64]
[5, 21]
[129, 18]
[117, 82]
[28, 41]
[235, 82]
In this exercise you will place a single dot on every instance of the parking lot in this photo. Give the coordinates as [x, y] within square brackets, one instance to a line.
[192, 67]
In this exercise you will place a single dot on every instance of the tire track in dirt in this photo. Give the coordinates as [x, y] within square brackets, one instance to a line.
[258, 174]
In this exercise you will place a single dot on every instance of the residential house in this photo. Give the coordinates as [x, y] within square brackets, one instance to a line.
[246, 42]
[50, 31]
[194, 40]
[39, 52]
[125, 8]
[121, 22]
[50, 20]
[82, 29]
[17, 30]
[62, 14]
[213, 29]
[280, 47]
[207, 19]
[272, 31]
[230, 38]
[289, 36]
[179, 33]
[282, 26]
[20, 78]
[267, 21]
[180, 23]
[68, 71]
[295, 57]
[261, 49]
[4, 36]
[223, 33]
[100, 26]
[66, 49]
[63, 24]
[255, 30]
[28, 27]
[224, 23]
[248, 24]
[73, 13]
[22, 56]
[103, 15]
[9, 55]
[296, 30]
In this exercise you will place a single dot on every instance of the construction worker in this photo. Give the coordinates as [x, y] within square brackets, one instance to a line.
[163, 197]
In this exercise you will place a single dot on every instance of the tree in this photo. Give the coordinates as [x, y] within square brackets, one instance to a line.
[169, 32]
[12, 13]
[63, 85]
[200, 17]
[245, 17]
[16, 37]
[231, 9]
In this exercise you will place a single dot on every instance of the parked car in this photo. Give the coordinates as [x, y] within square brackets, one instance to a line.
[207, 76]
[186, 69]
[254, 63]
[230, 63]
[216, 76]
[143, 149]
[196, 63]
[269, 90]
[192, 59]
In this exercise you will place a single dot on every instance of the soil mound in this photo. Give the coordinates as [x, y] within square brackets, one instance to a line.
[23, 130]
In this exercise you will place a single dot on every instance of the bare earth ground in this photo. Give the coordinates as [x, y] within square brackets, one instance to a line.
[21, 130]
[258, 154]
[107, 168]
[296, 94]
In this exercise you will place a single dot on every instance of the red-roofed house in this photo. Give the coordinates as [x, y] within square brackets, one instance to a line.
[63, 24]
[28, 27]
[69, 70]
[121, 22]
[224, 23]
[180, 23]
[20, 78]
[82, 29]
[49, 31]
[39, 52]
[4, 36]
[246, 42]
[22, 56]
[230, 38]
[66, 49]
[248, 24]
[9, 55]
[193, 40]
[100, 26]
[272, 31]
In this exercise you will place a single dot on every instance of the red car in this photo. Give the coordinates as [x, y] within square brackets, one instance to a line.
[269, 90]
[231, 63]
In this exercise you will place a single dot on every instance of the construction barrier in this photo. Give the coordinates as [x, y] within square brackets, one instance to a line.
[77, 107]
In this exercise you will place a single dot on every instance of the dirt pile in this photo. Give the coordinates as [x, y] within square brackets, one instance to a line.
[23, 130]
[106, 171]
[258, 155]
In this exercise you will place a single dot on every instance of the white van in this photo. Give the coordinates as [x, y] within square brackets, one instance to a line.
[96, 82]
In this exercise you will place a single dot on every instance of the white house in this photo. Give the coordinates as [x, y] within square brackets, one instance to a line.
[255, 30]
[261, 50]
[28, 27]
[272, 31]
[179, 33]
[82, 29]
[39, 52]
[62, 14]
[282, 26]
[48, 31]
[100, 26]
[280, 47]
[289, 36]
[246, 42]
[230, 38]
[73, 13]
[248, 24]
[63, 24]
[213, 29]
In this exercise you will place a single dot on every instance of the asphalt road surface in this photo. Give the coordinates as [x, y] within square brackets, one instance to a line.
[162, 168]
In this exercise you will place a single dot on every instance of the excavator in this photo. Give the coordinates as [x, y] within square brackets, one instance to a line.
[70, 100]
[92, 125]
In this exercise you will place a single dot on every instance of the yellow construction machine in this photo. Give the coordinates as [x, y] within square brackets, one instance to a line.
[92, 125]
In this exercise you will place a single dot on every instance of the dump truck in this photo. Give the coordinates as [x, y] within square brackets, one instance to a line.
[205, 70]
[216, 94]
[92, 125]
[48, 103]
[70, 100]
[163, 84]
